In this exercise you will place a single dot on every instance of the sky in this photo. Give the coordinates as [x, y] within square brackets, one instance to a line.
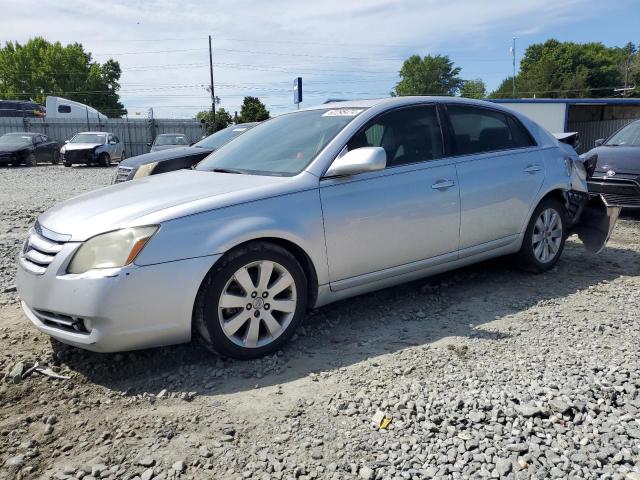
[344, 49]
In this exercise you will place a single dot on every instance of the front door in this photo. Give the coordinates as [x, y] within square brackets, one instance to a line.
[403, 214]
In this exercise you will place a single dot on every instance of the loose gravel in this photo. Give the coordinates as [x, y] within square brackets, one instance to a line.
[485, 372]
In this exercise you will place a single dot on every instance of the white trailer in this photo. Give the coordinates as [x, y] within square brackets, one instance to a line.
[58, 107]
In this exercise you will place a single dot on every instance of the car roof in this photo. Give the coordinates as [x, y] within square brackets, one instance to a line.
[32, 134]
[391, 101]
[173, 134]
[98, 133]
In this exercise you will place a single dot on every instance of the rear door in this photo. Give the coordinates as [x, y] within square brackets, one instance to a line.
[406, 213]
[500, 170]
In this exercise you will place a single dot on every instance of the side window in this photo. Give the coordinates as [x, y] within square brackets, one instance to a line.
[478, 130]
[64, 108]
[115, 139]
[408, 135]
[110, 139]
[521, 137]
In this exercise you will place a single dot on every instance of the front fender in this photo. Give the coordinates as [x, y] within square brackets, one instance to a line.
[295, 217]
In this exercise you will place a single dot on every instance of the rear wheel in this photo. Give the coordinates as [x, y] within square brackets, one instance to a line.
[123, 156]
[104, 160]
[66, 163]
[252, 301]
[55, 157]
[544, 238]
[30, 161]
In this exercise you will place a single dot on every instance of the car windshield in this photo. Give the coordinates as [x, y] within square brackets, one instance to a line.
[628, 136]
[284, 145]
[223, 136]
[16, 140]
[171, 140]
[89, 138]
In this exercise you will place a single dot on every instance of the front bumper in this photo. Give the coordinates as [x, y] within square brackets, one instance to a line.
[621, 190]
[79, 156]
[113, 310]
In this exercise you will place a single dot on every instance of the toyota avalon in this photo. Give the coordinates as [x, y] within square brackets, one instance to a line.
[302, 210]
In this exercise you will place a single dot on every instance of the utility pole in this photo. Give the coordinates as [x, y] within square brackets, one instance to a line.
[213, 93]
[513, 79]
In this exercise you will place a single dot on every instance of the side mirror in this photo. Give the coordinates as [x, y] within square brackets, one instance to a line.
[360, 160]
[600, 141]
[66, 141]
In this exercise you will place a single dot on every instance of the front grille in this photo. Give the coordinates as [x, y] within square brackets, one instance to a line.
[613, 199]
[122, 174]
[39, 251]
[62, 322]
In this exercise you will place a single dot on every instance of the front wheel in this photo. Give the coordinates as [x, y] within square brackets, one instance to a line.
[544, 238]
[252, 301]
[31, 161]
[104, 160]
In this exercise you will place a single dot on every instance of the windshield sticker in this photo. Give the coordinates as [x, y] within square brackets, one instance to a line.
[342, 112]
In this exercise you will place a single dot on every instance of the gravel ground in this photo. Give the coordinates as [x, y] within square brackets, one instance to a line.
[485, 372]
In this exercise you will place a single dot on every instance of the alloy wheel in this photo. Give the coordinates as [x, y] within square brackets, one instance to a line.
[547, 235]
[257, 304]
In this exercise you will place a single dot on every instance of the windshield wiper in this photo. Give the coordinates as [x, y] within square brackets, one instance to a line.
[228, 170]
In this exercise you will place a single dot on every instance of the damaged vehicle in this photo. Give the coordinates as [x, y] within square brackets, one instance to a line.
[304, 209]
[614, 167]
[90, 148]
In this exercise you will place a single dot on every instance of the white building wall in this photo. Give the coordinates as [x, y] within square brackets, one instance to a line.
[550, 115]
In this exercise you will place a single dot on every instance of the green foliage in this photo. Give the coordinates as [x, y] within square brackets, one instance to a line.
[40, 68]
[223, 118]
[473, 89]
[556, 69]
[253, 110]
[430, 75]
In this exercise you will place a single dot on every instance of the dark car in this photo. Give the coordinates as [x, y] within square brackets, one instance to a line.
[178, 158]
[613, 167]
[28, 148]
[21, 109]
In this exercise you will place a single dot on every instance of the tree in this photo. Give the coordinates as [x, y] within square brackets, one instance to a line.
[473, 89]
[556, 69]
[253, 110]
[223, 119]
[40, 68]
[430, 75]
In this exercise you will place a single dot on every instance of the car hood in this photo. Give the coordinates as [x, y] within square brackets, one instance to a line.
[12, 148]
[162, 155]
[81, 146]
[619, 159]
[157, 198]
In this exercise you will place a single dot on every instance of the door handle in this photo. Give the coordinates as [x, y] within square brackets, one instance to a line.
[443, 184]
[533, 168]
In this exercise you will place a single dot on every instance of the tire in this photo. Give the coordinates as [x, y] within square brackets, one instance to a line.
[544, 238]
[67, 164]
[254, 326]
[31, 161]
[123, 156]
[55, 157]
[104, 160]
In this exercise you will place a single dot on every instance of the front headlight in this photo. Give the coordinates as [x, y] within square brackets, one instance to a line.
[111, 250]
[145, 170]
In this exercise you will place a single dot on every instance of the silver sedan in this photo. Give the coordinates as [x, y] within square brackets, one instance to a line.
[303, 210]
